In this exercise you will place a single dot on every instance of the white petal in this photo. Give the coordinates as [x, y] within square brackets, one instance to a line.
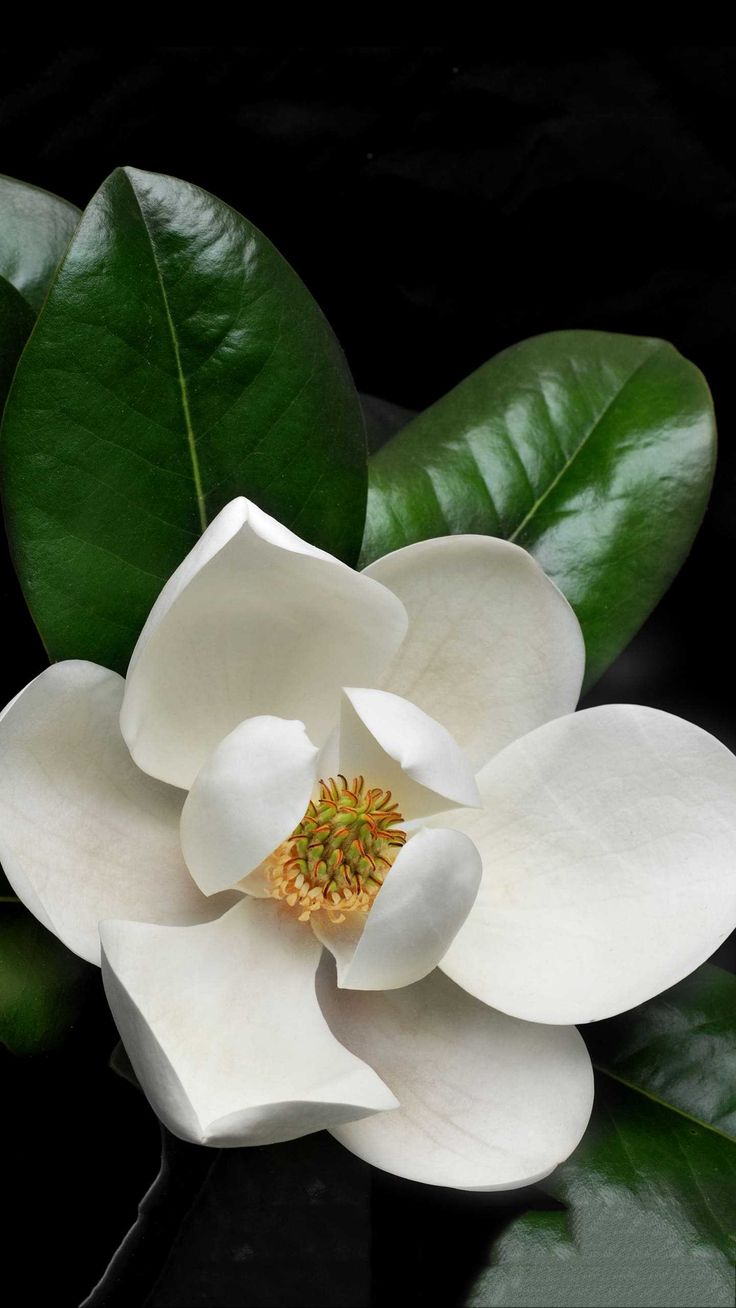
[416, 914]
[493, 648]
[397, 746]
[83, 833]
[253, 622]
[608, 842]
[223, 1028]
[248, 797]
[487, 1102]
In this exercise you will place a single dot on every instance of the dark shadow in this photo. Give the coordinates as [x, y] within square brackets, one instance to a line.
[429, 1244]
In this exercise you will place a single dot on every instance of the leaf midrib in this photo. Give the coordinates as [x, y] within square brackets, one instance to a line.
[662, 1103]
[189, 427]
[586, 438]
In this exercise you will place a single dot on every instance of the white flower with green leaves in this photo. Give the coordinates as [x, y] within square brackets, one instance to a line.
[350, 860]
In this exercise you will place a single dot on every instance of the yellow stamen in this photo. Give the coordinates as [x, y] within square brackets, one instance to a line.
[338, 855]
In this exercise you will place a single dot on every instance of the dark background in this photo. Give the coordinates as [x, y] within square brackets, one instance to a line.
[440, 204]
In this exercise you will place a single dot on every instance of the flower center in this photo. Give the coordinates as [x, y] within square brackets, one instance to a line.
[336, 859]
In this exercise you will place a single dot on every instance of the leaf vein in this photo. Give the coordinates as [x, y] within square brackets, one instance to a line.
[581, 446]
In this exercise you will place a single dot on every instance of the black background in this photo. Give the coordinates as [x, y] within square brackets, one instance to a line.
[440, 204]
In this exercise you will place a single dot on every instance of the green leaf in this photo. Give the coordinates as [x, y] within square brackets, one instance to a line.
[16, 321]
[678, 1049]
[35, 229]
[593, 451]
[650, 1194]
[43, 985]
[177, 362]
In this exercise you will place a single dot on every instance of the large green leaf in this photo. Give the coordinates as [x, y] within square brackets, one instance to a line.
[678, 1049]
[43, 985]
[178, 362]
[593, 451]
[16, 321]
[650, 1194]
[35, 229]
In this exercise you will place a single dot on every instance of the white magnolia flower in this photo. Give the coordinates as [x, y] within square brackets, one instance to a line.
[386, 764]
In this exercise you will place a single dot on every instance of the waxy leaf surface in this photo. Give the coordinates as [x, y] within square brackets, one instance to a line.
[35, 229]
[593, 451]
[178, 362]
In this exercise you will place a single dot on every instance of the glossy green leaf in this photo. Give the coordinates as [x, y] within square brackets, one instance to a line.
[35, 229]
[678, 1049]
[593, 451]
[16, 321]
[43, 985]
[177, 362]
[650, 1194]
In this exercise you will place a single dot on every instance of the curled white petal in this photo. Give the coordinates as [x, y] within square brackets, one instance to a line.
[399, 747]
[493, 648]
[246, 799]
[253, 622]
[608, 841]
[223, 1028]
[487, 1102]
[417, 912]
[83, 833]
